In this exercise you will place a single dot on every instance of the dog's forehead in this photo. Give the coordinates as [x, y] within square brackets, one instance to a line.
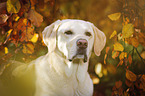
[75, 25]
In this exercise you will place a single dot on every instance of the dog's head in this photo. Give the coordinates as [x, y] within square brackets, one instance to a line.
[74, 38]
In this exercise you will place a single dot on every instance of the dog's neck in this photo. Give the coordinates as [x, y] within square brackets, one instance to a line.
[71, 68]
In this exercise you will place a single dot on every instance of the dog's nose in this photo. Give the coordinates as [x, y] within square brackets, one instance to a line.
[82, 43]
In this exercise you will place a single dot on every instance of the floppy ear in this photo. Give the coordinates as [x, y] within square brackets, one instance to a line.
[100, 41]
[49, 35]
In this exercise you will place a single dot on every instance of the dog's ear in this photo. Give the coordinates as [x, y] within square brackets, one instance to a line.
[49, 35]
[100, 41]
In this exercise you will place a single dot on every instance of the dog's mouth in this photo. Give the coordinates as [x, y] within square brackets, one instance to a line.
[80, 55]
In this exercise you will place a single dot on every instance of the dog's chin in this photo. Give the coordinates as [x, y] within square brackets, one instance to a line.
[78, 58]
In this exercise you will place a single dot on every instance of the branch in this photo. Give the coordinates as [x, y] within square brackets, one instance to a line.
[140, 56]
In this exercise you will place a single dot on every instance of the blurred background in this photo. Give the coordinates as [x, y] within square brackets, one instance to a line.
[120, 69]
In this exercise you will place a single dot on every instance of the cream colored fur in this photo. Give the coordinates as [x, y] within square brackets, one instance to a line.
[55, 74]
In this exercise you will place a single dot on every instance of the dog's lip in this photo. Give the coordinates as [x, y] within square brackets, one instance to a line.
[79, 57]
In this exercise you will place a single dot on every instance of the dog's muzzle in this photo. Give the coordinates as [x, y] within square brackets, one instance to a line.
[82, 45]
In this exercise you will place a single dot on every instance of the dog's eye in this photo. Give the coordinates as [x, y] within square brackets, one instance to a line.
[68, 32]
[88, 34]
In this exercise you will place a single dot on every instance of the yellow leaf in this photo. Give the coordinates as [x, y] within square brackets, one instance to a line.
[122, 55]
[13, 6]
[130, 76]
[28, 48]
[9, 32]
[6, 50]
[34, 38]
[113, 34]
[127, 30]
[114, 16]
[35, 17]
[118, 47]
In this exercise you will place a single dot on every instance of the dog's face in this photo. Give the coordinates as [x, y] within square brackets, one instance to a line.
[74, 38]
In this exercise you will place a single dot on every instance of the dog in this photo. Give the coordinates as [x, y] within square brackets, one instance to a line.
[63, 70]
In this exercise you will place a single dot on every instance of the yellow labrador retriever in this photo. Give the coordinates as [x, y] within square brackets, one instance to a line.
[63, 71]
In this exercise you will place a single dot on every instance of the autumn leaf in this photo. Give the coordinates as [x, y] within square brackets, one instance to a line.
[28, 48]
[134, 42]
[105, 58]
[34, 38]
[3, 18]
[33, 2]
[141, 37]
[122, 55]
[6, 50]
[130, 59]
[120, 63]
[115, 54]
[13, 6]
[143, 55]
[23, 30]
[113, 34]
[127, 30]
[118, 47]
[35, 17]
[128, 83]
[114, 16]
[142, 84]
[130, 76]
[118, 84]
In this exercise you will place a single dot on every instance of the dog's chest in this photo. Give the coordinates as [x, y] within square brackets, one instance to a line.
[53, 80]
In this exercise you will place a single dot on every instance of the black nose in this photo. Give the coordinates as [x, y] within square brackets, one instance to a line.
[82, 43]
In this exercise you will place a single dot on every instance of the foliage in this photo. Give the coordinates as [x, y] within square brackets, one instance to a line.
[121, 64]
[128, 37]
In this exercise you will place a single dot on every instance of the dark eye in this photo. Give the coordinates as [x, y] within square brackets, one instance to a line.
[88, 34]
[68, 32]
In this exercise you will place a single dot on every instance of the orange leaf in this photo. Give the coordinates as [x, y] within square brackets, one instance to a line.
[118, 84]
[134, 42]
[105, 58]
[33, 2]
[128, 83]
[23, 30]
[141, 37]
[118, 47]
[122, 55]
[120, 63]
[130, 76]
[35, 17]
[130, 59]
[142, 85]
[115, 54]
[107, 49]
[28, 48]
